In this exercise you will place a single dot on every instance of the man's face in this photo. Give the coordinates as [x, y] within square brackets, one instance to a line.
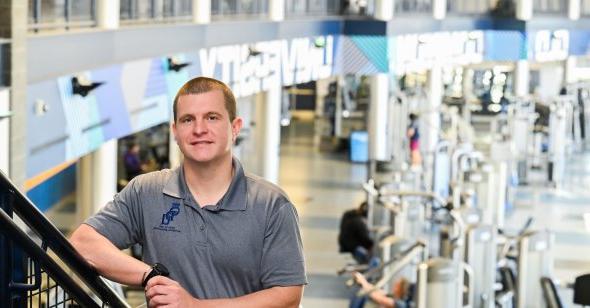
[202, 129]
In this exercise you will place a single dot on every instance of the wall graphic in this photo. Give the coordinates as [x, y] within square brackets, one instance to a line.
[138, 94]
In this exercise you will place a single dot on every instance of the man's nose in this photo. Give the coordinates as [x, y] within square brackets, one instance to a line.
[200, 127]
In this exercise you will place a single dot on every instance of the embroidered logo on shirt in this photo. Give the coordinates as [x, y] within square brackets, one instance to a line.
[172, 212]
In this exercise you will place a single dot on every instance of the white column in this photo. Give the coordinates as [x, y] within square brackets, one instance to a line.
[104, 165]
[276, 10]
[384, 9]
[84, 206]
[524, 9]
[429, 123]
[377, 121]
[439, 9]
[96, 180]
[574, 9]
[107, 14]
[4, 131]
[201, 11]
[569, 70]
[272, 133]
[521, 78]
[174, 154]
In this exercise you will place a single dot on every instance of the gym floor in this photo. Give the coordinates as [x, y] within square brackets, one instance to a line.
[322, 186]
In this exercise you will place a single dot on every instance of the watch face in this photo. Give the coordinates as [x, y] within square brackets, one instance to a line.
[161, 270]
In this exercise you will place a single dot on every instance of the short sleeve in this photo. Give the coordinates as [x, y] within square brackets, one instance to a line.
[282, 256]
[120, 221]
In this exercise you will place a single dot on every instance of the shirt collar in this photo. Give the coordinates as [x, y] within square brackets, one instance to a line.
[235, 198]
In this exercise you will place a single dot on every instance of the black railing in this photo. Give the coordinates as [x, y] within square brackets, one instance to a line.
[30, 274]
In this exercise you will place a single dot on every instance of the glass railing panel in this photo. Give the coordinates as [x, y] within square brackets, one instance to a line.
[412, 7]
[61, 14]
[550, 7]
[585, 8]
[300, 8]
[239, 9]
[469, 7]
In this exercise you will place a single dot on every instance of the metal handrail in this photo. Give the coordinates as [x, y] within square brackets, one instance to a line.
[55, 240]
[40, 256]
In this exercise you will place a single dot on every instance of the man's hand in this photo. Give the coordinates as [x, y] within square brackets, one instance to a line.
[163, 291]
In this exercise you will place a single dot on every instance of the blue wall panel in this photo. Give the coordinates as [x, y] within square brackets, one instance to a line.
[505, 46]
[111, 102]
[50, 192]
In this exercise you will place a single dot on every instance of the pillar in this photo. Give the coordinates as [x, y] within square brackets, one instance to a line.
[13, 26]
[521, 78]
[377, 120]
[107, 14]
[96, 180]
[201, 11]
[439, 9]
[384, 9]
[271, 133]
[569, 70]
[574, 9]
[430, 123]
[276, 10]
[524, 9]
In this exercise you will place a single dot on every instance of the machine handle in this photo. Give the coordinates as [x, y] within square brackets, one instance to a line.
[407, 257]
[369, 187]
[471, 285]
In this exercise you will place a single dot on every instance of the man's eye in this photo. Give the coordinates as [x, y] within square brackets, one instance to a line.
[186, 120]
[212, 117]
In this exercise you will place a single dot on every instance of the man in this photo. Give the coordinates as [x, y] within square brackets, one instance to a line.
[354, 235]
[132, 162]
[228, 239]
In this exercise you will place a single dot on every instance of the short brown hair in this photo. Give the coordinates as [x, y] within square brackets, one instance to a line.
[202, 85]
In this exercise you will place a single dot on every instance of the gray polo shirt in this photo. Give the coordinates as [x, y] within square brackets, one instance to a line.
[247, 242]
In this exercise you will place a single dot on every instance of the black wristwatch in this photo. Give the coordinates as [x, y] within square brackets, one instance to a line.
[158, 269]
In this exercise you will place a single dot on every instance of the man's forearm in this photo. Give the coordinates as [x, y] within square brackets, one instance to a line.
[109, 261]
[274, 297]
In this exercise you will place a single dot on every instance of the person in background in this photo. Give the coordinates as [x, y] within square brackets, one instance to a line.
[354, 234]
[132, 161]
[413, 134]
[400, 297]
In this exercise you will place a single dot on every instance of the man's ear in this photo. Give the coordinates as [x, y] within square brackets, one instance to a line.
[236, 126]
[173, 128]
